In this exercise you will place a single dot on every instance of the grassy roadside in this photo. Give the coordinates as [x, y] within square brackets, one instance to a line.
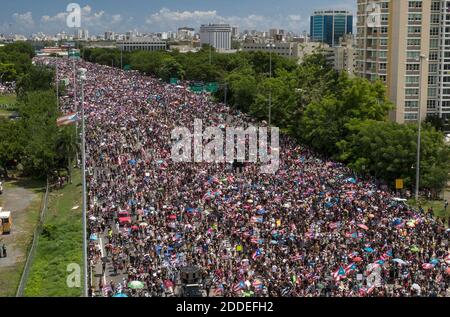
[23, 227]
[59, 245]
[437, 205]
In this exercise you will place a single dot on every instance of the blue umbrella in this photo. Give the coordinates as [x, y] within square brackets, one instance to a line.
[370, 250]
[120, 295]
[132, 162]
[93, 237]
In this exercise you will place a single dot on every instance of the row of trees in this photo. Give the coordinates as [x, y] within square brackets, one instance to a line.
[341, 117]
[15, 61]
[34, 141]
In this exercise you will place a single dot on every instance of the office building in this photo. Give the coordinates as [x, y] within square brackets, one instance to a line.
[328, 26]
[143, 44]
[216, 35]
[185, 33]
[391, 37]
[343, 56]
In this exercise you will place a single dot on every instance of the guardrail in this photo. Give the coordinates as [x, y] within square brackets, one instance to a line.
[32, 251]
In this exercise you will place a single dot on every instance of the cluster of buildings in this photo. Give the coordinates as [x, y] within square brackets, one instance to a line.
[403, 43]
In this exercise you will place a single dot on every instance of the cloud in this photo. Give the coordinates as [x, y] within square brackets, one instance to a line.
[96, 21]
[166, 19]
[24, 20]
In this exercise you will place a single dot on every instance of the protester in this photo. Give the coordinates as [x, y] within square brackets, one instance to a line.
[313, 228]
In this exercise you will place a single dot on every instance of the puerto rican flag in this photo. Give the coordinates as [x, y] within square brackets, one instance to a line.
[339, 274]
[67, 120]
[219, 290]
[256, 254]
[350, 267]
[238, 286]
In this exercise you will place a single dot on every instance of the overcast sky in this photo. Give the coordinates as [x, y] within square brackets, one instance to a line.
[49, 16]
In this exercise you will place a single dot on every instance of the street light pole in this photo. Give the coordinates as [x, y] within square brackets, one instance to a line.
[419, 123]
[270, 88]
[57, 87]
[82, 73]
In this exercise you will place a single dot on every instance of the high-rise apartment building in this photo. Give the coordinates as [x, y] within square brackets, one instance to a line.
[216, 35]
[328, 26]
[391, 37]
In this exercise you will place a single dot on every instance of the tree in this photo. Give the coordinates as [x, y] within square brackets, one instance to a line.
[7, 72]
[387, 150]
[326, 122]
[11, 144]
[38, 78]
[170, 68]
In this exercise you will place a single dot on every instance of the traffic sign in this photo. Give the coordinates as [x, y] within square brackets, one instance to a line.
[197, 87]
[399, 183]
[212, 87]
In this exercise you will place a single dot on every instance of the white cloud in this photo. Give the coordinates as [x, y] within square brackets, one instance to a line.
[96, 21]
[166, 19]
[24, 20]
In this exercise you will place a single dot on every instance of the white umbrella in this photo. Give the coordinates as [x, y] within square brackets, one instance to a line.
[399, 261]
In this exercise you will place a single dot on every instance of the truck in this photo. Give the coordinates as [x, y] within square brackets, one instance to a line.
[5, 221]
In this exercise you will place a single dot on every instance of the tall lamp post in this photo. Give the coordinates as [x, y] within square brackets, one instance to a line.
[270, 46]
[419, 124]
[82, 76]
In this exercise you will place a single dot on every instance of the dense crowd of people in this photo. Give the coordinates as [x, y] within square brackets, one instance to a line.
[313, 228]
[7, 88]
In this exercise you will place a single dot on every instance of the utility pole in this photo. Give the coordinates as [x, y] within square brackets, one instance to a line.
[82, 73]
[419, 124]
[57, 86]
[225, 94]
[121, 58]
[270, 46]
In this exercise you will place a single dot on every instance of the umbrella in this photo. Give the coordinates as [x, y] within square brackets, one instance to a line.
[136, 285]
[363, 226]
[370, 250]
[427, 266]
[93, 237]
[399, 261]
[120, 295]
[357, 259]
[416, 287]
[447, 271]
[134, 228]
[414, 248]
[143, 224]
[447, 259]
[92, 218]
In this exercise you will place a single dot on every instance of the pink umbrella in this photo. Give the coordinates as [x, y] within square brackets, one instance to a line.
[357, 259]
[363, 226]
[427, 266]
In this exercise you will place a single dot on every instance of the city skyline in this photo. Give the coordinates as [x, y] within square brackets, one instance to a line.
[49, 16]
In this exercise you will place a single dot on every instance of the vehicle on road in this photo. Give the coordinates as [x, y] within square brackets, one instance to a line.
[5, 221]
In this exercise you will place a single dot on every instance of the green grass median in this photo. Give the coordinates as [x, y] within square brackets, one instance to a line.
[60, 244]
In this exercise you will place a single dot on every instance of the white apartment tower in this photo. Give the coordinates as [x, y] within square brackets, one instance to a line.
[391, 37]
[216, 35]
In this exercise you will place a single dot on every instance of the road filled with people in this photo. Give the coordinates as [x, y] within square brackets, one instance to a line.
[313, 228]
